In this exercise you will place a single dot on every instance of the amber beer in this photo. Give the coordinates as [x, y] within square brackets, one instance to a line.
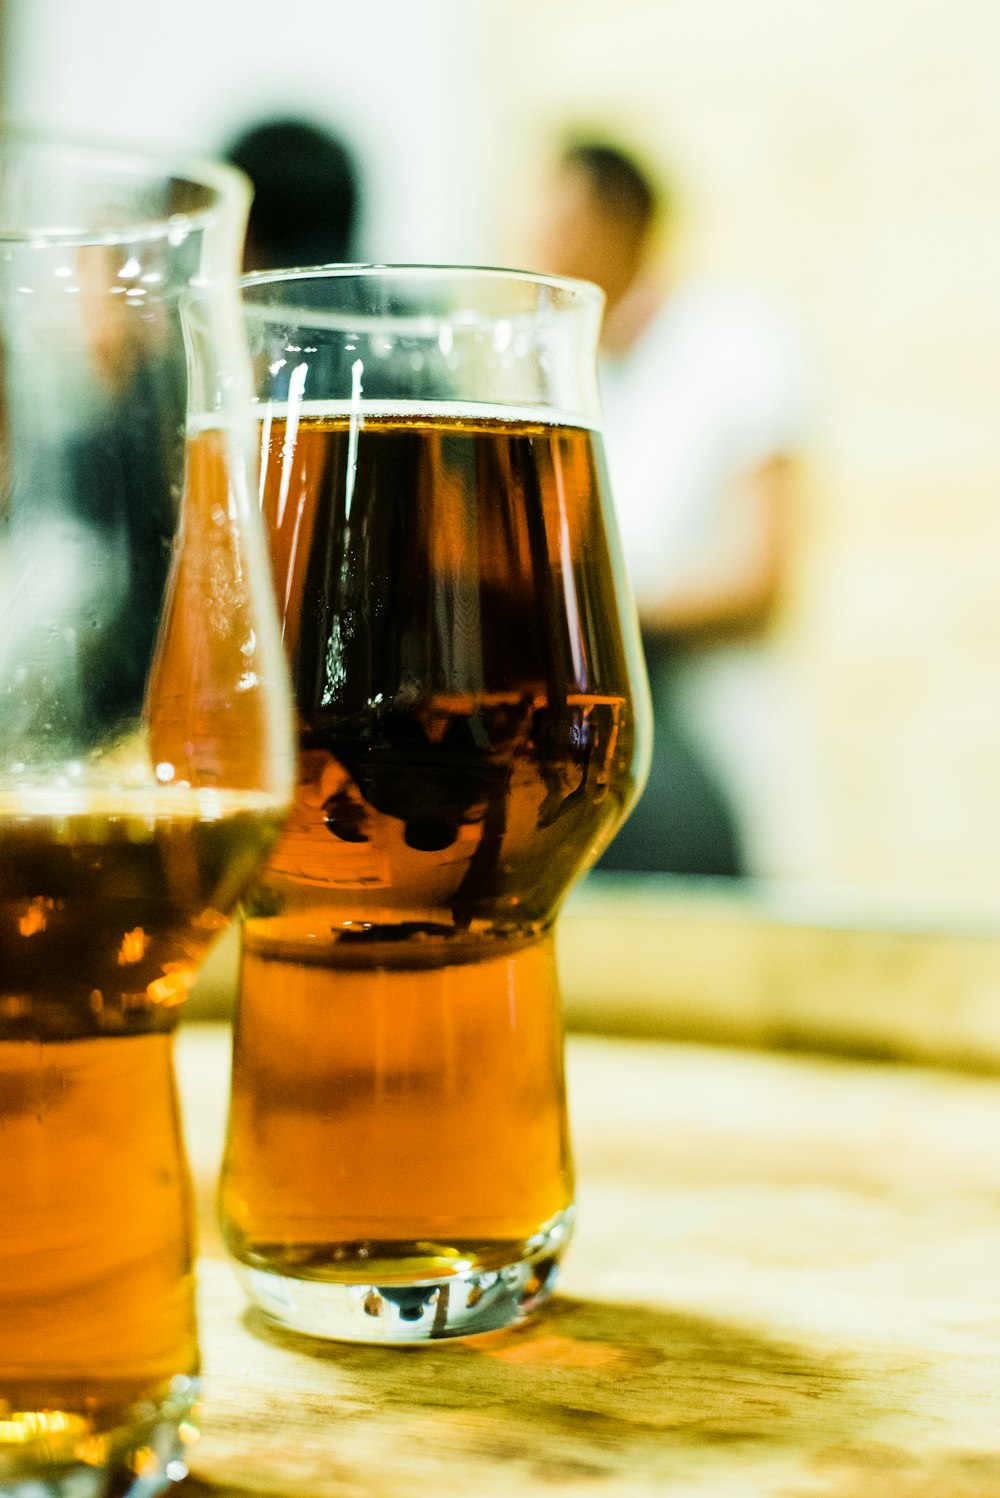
[105, 908]
[466, 749]
[109, 898]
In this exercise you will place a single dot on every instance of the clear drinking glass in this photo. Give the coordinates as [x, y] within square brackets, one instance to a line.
[146, 756]
[473, 728]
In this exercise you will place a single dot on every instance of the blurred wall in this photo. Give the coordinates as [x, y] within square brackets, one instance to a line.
[402, 82]
[847, 156]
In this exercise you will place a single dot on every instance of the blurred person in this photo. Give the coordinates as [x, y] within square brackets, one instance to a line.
[306, 195]
[703, 395]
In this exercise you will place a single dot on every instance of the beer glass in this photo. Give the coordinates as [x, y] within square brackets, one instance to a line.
[473, 729]
[146, 755]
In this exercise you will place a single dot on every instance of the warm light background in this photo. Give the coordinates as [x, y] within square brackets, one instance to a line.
[846, 156]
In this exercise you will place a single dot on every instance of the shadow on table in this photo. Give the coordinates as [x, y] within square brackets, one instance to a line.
[589, 1392]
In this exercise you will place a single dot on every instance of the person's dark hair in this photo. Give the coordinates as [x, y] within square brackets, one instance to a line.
[616, 179]
[306, 193]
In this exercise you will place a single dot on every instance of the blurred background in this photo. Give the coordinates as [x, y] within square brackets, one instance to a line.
[845, 159]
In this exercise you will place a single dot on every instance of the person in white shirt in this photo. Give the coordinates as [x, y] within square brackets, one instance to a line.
[704, 409]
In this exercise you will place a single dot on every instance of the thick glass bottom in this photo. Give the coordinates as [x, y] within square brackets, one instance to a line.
[463, 1304]
[62, 1454]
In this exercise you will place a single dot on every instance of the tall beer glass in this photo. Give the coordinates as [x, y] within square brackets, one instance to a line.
[473, 729]
[145, 757]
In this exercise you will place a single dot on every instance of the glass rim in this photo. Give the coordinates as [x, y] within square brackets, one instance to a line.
[228, 184]
[571, 287]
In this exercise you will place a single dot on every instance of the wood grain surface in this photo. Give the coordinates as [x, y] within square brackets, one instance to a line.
[786, 1282]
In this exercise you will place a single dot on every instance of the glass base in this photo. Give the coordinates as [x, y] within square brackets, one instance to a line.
[137, 1460]
[459, 1305]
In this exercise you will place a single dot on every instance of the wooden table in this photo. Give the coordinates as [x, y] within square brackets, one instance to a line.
[786, 1281]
